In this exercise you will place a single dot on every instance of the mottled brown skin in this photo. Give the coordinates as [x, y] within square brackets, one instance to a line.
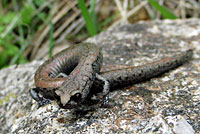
[130, 75]
[81, 62]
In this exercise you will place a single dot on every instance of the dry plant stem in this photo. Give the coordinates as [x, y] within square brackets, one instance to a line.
[131, 12]
[61, 32]
[122, 10]
[42, 7]
[149, 10]
[40, 36]
[76, 26]
[183, 6]
[66, 23]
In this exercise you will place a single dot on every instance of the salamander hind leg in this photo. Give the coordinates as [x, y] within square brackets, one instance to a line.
[34, 92]
[105, 92]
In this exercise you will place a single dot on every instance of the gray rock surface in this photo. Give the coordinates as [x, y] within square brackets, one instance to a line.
[166, 104]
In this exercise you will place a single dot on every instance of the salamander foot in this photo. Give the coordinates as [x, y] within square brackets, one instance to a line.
[34, 92]
[105, 92]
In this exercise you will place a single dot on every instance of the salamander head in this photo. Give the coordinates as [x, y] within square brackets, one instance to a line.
[70, 98]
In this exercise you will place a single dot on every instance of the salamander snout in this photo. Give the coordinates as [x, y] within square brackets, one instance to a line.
[67, 98]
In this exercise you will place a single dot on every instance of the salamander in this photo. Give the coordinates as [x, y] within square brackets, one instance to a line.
[73, 73]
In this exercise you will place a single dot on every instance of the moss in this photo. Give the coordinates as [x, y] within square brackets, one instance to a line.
[7, 98]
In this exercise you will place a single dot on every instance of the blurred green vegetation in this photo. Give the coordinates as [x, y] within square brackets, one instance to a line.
[16, 29]
[89, 17]
[19, 20]
[167, 14]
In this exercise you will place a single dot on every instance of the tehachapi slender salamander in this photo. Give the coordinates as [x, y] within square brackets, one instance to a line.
[81, 64]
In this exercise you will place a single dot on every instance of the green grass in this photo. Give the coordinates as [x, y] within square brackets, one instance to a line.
[167, 14]
[88, 17]
[17, 30]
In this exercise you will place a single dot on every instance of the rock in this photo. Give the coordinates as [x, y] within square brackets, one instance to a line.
[168, 104]
[181, 126]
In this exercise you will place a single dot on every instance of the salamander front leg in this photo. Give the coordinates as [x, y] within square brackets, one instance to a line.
[34, 92]
[105, 91]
